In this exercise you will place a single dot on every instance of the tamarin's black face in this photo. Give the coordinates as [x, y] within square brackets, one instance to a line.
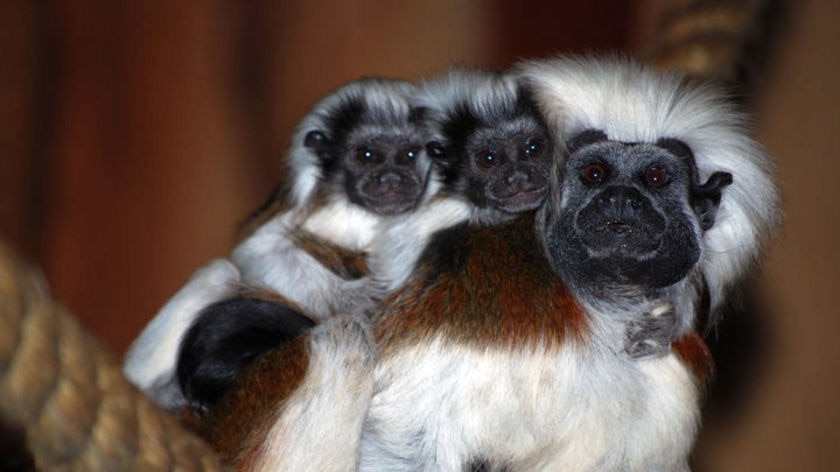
[378, 159]
[382, 172]
[506, 167]
[630, 214]
[499, 157]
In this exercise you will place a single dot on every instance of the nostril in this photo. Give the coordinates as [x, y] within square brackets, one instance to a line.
[389, 178]
[606, 199]
[621, 199]
[517, 178]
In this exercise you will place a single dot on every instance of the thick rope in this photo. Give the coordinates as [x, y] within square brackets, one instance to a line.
[67, 392]
[708, 38]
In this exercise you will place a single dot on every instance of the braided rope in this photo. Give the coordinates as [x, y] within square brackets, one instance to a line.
[68, 393]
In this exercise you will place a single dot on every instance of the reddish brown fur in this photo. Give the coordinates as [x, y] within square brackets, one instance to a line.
[343, 262]
[238, 425]
[695, 354]
[489, 286]
[480, 287]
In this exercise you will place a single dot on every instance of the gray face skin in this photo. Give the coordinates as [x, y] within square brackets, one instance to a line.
[377, 163]
[507, 167]
[382, 172]
[498, 155]
[627, 225]
[631, 215]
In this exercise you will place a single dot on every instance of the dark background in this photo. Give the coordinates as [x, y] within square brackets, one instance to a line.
[135, 136]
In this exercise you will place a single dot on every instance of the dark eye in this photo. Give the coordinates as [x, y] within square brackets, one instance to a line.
[594, 174]
[366, 155]
[656, 177]
[410, 154]
[533, 148]
[435, 149]
[488, 159]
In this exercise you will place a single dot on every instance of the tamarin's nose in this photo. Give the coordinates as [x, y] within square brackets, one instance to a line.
[517, 179]
[391, 178]
[621, 202]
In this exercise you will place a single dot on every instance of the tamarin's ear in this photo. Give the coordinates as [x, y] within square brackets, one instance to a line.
[316, 140]
[705, 199]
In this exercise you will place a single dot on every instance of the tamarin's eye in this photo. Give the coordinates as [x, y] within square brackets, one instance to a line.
[488, 158]
[656, 177]
[410, 154]
[367, 156]
[594, 174]
[533, 148]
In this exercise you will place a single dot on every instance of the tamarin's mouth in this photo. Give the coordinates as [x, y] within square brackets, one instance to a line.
[523, 201]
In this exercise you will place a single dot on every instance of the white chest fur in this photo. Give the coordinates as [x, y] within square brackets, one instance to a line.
[271, 258]
[440, 408]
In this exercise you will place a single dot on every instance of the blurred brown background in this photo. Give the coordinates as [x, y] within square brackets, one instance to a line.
[135, 136]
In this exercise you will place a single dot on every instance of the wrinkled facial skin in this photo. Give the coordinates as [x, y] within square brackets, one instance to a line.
[508, 169]
[381, 170]
[383, 173]
[631, 214]
[502, 165]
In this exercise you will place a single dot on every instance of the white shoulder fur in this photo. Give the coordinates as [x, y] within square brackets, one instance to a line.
[269, 258]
